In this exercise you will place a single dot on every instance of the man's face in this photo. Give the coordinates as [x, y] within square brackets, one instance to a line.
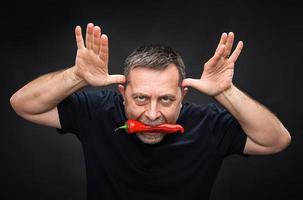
[153, 97]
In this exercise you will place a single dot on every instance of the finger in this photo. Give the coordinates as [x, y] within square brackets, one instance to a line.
[190, 82]
[103, 53]
[89, 35]
[222, 41]
[117, 78]
[96, 39]
[79, 38]
[218, 54]
[234, 56]
[229, 44]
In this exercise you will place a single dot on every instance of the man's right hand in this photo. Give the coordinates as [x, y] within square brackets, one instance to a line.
[92, 58]
[33, 103]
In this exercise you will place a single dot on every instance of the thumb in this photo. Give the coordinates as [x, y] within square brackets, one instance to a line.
[190, 82]
[117, 78]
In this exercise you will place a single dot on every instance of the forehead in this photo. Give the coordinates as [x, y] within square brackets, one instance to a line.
[150, 80]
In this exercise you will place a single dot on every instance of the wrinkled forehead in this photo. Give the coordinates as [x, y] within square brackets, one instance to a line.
[151, 80]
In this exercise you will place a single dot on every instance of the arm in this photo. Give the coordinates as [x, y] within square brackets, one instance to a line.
[265, 133]
[37, 101]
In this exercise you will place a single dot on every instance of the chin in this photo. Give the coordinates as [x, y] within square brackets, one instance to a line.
[150, 138]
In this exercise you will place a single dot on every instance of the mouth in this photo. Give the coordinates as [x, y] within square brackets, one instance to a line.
[151, 134]
[150, 137]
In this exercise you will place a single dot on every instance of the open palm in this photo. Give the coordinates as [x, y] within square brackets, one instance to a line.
[92, 58]
[219, 70]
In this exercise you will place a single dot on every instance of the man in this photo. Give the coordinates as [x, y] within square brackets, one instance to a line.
[151, 165]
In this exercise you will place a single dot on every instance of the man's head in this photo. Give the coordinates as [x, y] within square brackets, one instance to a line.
[152, 93]
[156, 57]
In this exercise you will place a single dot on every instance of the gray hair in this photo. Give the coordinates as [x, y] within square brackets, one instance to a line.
[154, 56]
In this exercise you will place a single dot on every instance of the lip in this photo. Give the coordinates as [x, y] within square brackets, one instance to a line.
[151, 134]
[150, 137]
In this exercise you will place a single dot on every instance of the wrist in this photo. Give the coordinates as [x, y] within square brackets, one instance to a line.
[72, 77]
[226, 93]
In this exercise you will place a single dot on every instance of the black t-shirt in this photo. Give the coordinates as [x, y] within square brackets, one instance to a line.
[120, 166]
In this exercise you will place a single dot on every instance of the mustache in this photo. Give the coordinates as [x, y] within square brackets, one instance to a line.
[156, 122]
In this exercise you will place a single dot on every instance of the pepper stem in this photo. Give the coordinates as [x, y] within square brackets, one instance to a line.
[121, 127]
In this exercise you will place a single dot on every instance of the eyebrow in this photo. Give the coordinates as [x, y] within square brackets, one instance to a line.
[139, 94]
[146, 95]
[169, 96]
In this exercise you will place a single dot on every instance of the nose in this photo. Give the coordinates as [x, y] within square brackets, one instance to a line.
[152, 112]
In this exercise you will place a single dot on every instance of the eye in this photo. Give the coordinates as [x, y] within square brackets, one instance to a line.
[140, 99]
[167, 99]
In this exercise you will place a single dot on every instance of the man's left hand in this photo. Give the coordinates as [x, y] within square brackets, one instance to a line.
[218, 70]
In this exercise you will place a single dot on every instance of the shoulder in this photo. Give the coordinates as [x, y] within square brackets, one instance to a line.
[107, 95]
[198, 109]
[98, 93]
[98, 97]
[210, 113]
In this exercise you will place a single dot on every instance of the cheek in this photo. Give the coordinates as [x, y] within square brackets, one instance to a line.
[172, 113]
[132, 111]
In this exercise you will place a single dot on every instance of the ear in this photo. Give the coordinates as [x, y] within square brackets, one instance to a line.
[184, 92]
[121, 90]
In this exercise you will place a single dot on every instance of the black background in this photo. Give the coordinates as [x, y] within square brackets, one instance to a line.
[37, 38]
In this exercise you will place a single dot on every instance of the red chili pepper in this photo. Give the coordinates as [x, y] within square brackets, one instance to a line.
[133, 126]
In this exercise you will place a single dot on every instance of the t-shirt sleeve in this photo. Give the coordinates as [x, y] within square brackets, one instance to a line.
[70, 110]
[82, 111]
[79, 111]
[238, 140]
[230, 138]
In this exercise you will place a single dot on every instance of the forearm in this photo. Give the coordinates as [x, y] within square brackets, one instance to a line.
[260, 125]
[45, 92]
